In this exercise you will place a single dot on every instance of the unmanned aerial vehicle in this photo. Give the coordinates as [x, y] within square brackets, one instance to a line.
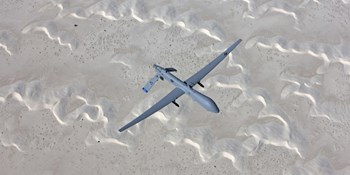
[181, 87]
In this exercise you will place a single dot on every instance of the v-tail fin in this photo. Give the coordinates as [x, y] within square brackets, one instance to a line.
[150, 84]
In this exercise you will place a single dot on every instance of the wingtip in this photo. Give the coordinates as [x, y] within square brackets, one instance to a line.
[122, 129]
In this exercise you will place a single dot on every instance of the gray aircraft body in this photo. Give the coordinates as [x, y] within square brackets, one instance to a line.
[182, 87]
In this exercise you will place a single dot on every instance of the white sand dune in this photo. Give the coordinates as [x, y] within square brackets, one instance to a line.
[71, 73]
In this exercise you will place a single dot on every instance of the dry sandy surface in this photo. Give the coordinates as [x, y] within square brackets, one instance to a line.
[71, 73]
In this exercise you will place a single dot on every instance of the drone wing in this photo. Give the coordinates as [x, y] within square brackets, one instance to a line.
[172, 96]
[195, 79]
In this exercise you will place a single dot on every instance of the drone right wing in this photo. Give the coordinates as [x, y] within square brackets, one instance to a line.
[172, 96]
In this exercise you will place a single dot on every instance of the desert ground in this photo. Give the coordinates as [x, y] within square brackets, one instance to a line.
[71, 73]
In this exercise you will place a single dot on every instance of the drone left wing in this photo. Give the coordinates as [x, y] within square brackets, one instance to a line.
[194, 79]
[172, 96]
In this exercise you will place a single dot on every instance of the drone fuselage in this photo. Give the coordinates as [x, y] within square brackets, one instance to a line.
[205, 101]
